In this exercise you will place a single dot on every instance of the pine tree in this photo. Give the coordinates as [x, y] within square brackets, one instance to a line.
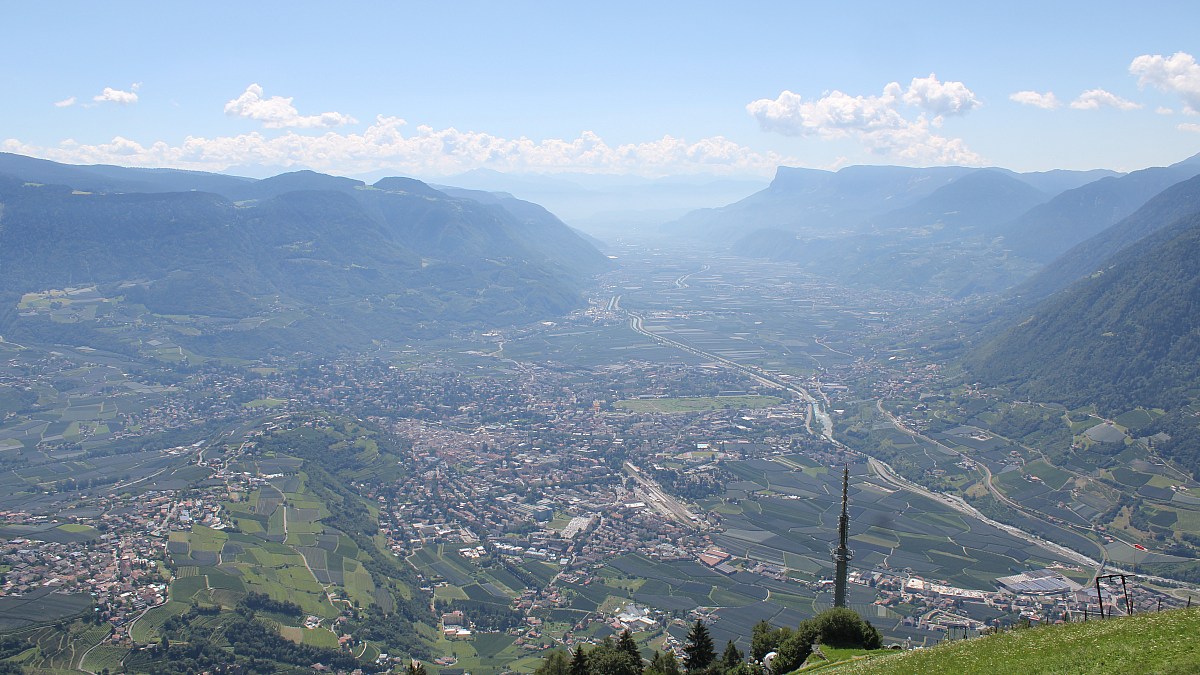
[765, 639]
[699, 652]
[628, 646]
[760, 640]
[732, 657]
[610, 660]
[556, 663]
[579, 662]
[670, 664]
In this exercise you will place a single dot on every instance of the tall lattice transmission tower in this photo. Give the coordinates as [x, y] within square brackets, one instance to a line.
[842, 554]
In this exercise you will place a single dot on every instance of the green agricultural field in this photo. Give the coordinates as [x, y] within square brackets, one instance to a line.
[275, 524]
[40, 606]
[207, 539]
[262, 559]
[542, 571]
[1134, 479]
[358, 583]
[449, 592]
[490, 645]
[1137, 419]
[1010, 481]
[1189, 521]
[293, 583]
[1053, 476]
[320, 637]
[221, 579]
[250, 526]
[1161, 481]
[725, 508]
[264, 403]
[146, 628]
[105, 657]
[1081, 425]
[593, 346]
[60, 650]
[303, 534]
[879, 537]
[76, 528]
[696, 404]
[183, 589]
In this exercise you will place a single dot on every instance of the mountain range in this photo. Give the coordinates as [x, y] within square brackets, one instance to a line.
[348, 262]
[610, 205]
[1087, 256]
[955, 231]
[1086, 285]
[1087, 275]
[1051, 229]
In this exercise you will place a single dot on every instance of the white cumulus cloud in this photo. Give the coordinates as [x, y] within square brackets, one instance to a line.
[1178, 73]
[1189, 126]
[65, 103]
[834, 115]
[424, 151]
[940, 98]
[110, 95]
[278, 112]
[1094, 99]
[1046, 101]
[878, 122]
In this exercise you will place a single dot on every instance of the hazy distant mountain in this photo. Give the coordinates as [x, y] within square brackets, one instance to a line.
[359, 262]
[1060, 180]
[1085, 258]
[1049, 230]
[409, 185]
[294, 181]
[950, 230]
[604, 205]
[816, 202]
[543, 230]
[489, 180]
[932, 230]
[973, 205]
[819, 203]
[106, 178]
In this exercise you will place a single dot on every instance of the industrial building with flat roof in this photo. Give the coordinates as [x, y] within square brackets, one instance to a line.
[1038, 582]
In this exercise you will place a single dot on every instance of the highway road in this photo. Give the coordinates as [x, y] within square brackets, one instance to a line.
[889, 476]
[987, 472]
[1097, 566]
[955, 502]
[881, 468]
[681, 282]
[817, 412]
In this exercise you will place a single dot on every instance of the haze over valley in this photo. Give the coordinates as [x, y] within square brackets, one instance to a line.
[288, 384]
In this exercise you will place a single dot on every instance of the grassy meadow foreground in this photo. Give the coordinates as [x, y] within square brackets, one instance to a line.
[1163, 642]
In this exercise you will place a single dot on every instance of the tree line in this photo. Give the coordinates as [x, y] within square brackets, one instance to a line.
[772, 650]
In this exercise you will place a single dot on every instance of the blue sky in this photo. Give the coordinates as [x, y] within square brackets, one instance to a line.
[651, 89]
